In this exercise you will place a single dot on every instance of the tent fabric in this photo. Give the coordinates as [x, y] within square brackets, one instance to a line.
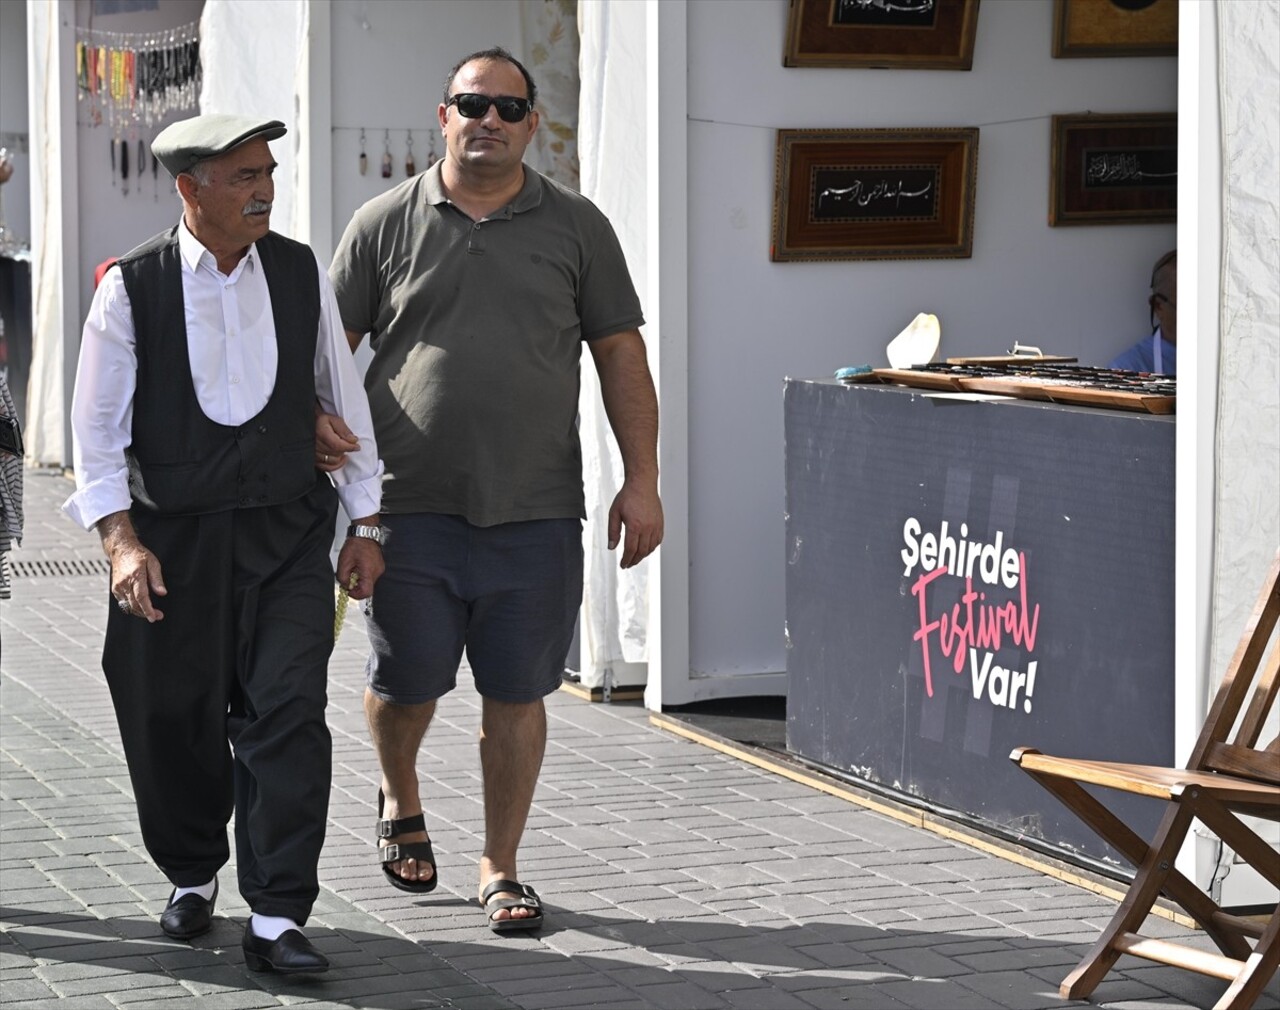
[1247, 456]
[253, 55]
[611, 153]
[549, 48]
[45, 436]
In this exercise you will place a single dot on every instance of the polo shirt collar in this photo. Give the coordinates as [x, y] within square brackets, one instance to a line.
[530, 194]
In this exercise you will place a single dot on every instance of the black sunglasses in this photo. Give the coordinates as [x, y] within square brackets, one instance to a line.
[510, 110]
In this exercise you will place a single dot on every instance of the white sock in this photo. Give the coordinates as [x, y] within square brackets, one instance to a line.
[204, 890]
[269, 927]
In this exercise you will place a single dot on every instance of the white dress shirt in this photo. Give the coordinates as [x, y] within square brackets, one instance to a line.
[231, 342]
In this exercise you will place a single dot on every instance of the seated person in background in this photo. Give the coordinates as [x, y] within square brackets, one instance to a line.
[1158, 352]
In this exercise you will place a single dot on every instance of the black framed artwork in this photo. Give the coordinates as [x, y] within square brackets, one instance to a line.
[874, 194]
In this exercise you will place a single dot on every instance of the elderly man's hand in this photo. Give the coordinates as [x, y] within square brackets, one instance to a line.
[333, 441]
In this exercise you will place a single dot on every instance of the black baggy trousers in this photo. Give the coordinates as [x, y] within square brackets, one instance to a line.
[221, 704]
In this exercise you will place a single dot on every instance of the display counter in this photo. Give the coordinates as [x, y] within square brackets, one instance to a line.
[967, 575]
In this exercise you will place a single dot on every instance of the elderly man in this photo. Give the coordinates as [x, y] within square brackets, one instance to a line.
[206, 354]
[479, 281]
[1158, 352]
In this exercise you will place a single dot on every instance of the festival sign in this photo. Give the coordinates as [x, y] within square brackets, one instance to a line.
[967, 577]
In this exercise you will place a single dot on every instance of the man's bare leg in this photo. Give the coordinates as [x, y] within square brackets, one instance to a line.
[397, 732]
[513, 738]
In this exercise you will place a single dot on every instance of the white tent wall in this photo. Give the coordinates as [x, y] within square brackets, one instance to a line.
[254, 61]
[612, 149]
[1232, 222]
[55, 232]
[1247, 507]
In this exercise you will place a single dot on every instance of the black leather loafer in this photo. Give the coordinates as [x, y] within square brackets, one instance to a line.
[290, 954]
[189, 916]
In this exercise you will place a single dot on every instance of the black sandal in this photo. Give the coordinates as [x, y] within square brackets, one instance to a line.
[528, 899]
[395, 852]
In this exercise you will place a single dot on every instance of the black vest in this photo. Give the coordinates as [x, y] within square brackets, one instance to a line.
[181, 462]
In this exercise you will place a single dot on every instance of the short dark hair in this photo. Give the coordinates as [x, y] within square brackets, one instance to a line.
[493, 53]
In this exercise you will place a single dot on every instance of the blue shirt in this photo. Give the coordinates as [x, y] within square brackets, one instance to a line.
[1141, 356]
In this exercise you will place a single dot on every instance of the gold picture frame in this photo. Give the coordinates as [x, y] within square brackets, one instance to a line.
[911, 34]
[1088, 28]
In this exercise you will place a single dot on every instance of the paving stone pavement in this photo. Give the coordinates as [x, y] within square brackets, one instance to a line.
[675, 876]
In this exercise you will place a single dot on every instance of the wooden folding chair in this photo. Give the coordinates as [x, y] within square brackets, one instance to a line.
[1228, 773]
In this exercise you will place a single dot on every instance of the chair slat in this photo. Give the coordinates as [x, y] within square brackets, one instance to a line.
[1245, 762]
[1151, 780]
[1264, 697]
[1178, 955]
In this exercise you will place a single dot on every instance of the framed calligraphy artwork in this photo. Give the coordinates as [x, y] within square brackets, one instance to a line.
[1114, 169]
[874, 194]
[916, 34]
[1115, 28]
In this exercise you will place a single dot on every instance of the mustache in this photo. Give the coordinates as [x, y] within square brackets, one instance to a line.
[256, 207]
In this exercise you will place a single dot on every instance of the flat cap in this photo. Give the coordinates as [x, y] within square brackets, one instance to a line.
[181, 145]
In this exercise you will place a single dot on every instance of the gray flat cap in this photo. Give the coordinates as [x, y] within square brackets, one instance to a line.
[181, 145]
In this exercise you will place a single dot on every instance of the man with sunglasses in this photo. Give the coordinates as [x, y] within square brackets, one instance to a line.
[478, 282]
[1158, 352]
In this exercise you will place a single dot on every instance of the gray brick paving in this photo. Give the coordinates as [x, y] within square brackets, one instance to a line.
[675, 876]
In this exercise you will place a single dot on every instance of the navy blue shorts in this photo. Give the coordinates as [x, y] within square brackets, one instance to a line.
[508, 594]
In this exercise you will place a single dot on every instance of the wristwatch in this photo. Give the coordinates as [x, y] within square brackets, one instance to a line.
[378, 534]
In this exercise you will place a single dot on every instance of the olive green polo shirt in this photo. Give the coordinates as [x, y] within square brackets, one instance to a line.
[477, 331]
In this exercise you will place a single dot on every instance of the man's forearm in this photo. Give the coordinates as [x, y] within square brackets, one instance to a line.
[631, 404]
[117, 532]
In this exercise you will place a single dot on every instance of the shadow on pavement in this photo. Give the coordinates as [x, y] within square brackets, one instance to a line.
[621, 962]
[374, 970]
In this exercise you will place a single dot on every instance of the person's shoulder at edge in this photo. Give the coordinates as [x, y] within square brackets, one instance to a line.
[1135, 358]
[558, 191]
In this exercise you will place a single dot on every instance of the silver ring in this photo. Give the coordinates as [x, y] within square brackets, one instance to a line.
[326, 457]
[123, 605]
